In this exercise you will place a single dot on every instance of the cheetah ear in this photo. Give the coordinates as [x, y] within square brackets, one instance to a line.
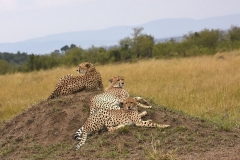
[78, 70]
[121, 104]
[110, 80]
[87, 65]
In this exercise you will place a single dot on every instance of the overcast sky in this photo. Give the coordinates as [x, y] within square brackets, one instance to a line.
[26, 19]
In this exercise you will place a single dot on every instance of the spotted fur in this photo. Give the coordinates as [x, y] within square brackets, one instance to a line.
[113, 97]
[91, 80]
[113, 120]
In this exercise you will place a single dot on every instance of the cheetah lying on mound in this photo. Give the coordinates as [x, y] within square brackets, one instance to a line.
[116, 88]
[70, 84]
[113, 120]
[113, 96]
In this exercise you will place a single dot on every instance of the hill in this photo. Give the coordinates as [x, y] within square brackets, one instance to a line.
[160, 29]
[45, 130]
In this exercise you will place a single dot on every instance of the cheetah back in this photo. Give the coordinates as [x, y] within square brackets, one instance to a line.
[71, 84]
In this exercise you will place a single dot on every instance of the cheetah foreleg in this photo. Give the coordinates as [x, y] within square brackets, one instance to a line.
[143, 106]
[111, 129]
[149, 120]
[144, 113]
[141, 101]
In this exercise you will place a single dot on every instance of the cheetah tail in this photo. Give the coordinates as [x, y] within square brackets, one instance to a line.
[80, 132]
[77, 135]
[51, 96]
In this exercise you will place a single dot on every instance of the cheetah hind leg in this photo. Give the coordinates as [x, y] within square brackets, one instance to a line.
[149, 123]
[141, 102]
[163, 125]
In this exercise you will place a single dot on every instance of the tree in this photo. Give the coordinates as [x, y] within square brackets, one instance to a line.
[203, 42]
[125, 43]
[125, 47]
[114, 54]
[72, 46]
[73, 57]
[65, 48]
[210, 38]
[56, 51]
[163, 49]
[234, 33]
[30, 62]
[137, 32]
[136, 41]
[102, 55]
[146, 43]
[140, 45]
[4, 67]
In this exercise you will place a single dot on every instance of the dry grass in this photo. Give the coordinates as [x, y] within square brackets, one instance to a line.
[19, 91]
[206, 87]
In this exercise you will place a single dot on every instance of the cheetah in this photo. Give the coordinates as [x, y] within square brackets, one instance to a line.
[113, 120]
[91, 80]
[113, 97]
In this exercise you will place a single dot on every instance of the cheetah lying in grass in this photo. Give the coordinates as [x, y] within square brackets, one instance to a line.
[69, 84]
[113, 120]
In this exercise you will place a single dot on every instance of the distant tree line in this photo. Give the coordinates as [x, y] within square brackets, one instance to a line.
[10, 62]
[136, 46]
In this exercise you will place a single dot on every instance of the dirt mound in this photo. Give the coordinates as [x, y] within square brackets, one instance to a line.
[45, 131]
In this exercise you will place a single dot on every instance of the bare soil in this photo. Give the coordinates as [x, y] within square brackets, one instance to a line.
[45, 130]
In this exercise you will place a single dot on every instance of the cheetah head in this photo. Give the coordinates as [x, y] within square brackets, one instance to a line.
[117, 82]
[130, 104]
[85, 67]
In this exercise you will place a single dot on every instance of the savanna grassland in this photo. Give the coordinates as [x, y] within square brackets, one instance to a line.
[197, 96]
[205, 86]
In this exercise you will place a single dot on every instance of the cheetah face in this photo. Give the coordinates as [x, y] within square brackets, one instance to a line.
[117, 81]
[130, 104]
[85, 67]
